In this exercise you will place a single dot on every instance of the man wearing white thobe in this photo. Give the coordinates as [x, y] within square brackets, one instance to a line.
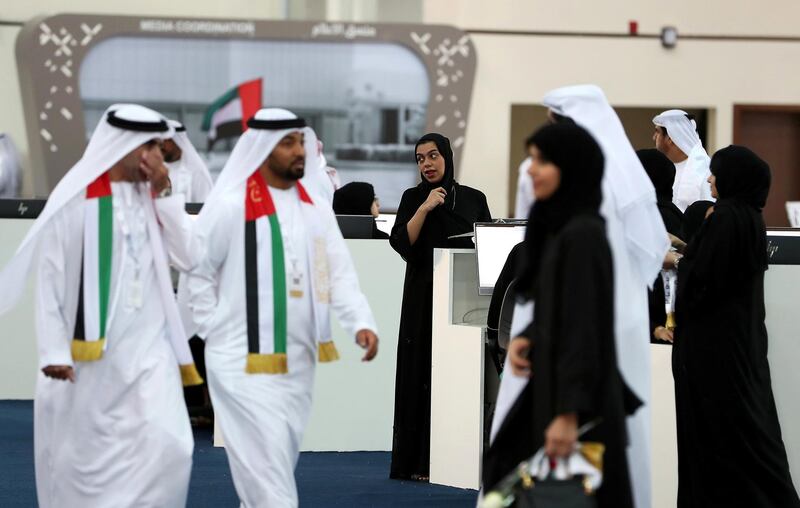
[675, 136]
[187, 171]
[110, 424]
[261, 390]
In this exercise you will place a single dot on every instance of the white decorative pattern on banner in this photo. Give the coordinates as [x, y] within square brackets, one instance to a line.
[65, 48]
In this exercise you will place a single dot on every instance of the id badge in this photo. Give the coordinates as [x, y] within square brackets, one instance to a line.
[296, 285]
[135, 294]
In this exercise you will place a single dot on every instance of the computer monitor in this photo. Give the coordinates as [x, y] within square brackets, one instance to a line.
[493, 243]
[355, 226]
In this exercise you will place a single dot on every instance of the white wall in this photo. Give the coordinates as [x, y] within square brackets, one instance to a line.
[720, 17]
[262, 9]
[520, 69]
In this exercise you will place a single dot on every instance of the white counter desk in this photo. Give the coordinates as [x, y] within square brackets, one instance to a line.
[457, 375]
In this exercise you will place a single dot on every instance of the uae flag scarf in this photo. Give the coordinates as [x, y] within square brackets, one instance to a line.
[91, 322]
[267, 323]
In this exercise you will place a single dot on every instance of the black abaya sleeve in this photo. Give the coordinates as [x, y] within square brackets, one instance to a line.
[405, 212]
[485, 215]
[585, 277]
[714, 265]
[504, 280]
[657, 312]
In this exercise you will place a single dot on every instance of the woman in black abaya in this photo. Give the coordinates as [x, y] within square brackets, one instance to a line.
[437, 208]
[662, 173]
[358, 198]
[568, 351]
[693, 218]
[730, 450]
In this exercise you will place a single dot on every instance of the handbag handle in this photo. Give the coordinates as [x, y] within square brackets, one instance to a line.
[526, 467]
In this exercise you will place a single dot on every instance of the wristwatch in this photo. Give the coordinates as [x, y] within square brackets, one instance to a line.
[677, 262]
[167, 191]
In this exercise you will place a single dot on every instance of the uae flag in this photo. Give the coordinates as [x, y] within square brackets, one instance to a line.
[227, 116]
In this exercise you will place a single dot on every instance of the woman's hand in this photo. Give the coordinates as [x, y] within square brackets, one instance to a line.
[662, 333]
[671, 260]
[518, 351]
[561, 435]
[435, 198]
[677, 243]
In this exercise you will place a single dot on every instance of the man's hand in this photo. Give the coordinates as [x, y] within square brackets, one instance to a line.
[561, 435]
[369, 341]
[152, 167]
[62, 372]
[518, 356]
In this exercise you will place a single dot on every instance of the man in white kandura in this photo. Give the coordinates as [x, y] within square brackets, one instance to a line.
[272, 263]
[187, 171]
[110, 424]
[525, 197]
[676, 137]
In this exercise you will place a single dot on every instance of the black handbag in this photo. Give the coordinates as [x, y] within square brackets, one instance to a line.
[520, 490]
[551, 493]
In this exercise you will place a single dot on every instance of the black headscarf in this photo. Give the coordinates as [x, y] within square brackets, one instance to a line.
[355, 198]
[742, 182]
[580, 161]
[742, 176]
[448, 182]
[693, 218]
[661, 171]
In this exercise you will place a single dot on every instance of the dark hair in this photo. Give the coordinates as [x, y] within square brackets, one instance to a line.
[529, 141]
[355, 198]
[660, 170]
[557, 118]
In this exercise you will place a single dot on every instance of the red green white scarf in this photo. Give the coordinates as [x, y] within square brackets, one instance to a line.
[267, 322]
[91, 321]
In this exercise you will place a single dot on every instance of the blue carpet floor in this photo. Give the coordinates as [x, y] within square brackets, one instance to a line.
[323, 479]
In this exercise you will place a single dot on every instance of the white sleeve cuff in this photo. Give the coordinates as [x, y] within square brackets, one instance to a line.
[55, 358]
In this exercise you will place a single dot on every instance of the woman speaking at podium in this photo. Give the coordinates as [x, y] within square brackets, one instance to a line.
[430, 213]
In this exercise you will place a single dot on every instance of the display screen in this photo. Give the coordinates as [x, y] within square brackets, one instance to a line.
[493, 243]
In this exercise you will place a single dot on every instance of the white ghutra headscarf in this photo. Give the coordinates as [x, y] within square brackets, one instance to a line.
[189, 174]
[691, 185]
[107, 146]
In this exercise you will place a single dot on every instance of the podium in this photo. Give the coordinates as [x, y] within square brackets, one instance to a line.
[457, 369]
